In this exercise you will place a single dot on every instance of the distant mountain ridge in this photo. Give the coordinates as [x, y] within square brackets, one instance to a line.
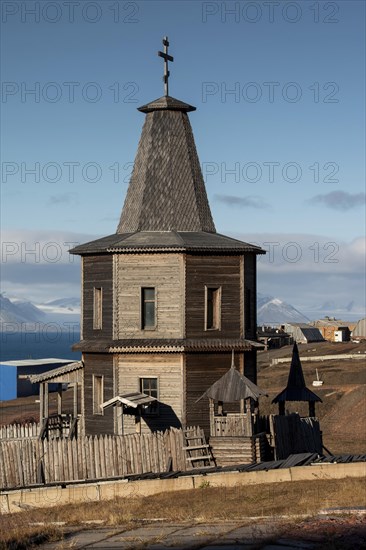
[19, 311]
[17, 315]
[270, 311]
[273, 311]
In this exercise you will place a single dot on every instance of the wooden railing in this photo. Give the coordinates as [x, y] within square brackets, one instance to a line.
[54, 426]
[59, 425]
[233, 424]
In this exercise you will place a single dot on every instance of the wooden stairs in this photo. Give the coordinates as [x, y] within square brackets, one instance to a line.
[198, 452]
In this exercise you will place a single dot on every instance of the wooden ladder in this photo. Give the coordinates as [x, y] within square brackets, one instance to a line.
[198, 452]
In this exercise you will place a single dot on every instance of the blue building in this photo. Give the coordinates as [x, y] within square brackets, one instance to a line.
[14, 380]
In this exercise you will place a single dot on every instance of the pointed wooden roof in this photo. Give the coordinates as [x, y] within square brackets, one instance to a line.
[296, 389]
[166, 191]
[166, 208]
[233, 387]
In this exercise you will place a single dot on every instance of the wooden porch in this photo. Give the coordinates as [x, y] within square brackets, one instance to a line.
[232, 424]
[60, 424]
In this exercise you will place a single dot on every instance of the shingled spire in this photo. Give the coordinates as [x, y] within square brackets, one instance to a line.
[296, 389]
[166, 191]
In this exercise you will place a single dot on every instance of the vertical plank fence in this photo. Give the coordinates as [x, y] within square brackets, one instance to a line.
[293, 434]
[19, 431]
[29, 461]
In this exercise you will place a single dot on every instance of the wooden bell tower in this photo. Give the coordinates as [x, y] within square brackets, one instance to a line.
[165, 299]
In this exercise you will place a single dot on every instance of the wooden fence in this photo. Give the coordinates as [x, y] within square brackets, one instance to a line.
[33, 461]
[293, 434]
[17, 431]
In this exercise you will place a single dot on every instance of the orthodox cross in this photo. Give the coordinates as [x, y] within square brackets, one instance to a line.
[166, 58]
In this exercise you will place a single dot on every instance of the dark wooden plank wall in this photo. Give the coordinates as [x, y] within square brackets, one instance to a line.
[250, 284]
[213, 271]
[250, 365]
[101, 365]
[97, 272]
[202, 370]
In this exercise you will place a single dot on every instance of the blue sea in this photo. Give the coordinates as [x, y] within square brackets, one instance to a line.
[38, 345]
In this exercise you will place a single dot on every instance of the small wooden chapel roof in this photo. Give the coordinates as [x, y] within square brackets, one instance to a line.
[296, 389]
[233, 387]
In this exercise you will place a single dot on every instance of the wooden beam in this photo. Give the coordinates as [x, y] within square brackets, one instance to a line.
[59, 398]
[46, 400]
[75, 400]
[41, 402]
[212, 417]
[119, 413]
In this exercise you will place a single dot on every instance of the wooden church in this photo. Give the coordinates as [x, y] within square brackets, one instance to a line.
[165, 299]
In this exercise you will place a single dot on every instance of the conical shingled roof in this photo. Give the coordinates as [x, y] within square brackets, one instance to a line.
[296, 389]
[233, 387]
[166, 191]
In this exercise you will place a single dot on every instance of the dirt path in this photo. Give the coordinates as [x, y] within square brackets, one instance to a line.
[328, 530]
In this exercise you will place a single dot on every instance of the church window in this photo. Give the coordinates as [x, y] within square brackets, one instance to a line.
[213, 308]
[98, 394]
[97, 308]
[148, 308]
[248, 309]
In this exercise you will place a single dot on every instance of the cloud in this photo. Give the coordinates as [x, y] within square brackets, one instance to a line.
[63, 198]
[40, 247]
[339, 200]
[307, 270]
[36, 265]
[242, 202]
[311, 253]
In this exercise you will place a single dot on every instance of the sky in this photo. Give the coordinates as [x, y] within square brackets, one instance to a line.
[280, 131]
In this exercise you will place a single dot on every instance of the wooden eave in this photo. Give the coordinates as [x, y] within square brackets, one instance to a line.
[144, 242]
[167, 345]
[67, 373]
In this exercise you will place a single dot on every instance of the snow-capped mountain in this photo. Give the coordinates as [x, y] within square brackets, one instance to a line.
[55, 315]
[19, 311]
[273, 311]
[270, 311]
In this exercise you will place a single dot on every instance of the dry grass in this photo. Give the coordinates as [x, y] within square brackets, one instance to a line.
[201, 504]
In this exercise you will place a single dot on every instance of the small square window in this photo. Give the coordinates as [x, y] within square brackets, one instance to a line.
[213, 308]
[149, 386]
[148, 308]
